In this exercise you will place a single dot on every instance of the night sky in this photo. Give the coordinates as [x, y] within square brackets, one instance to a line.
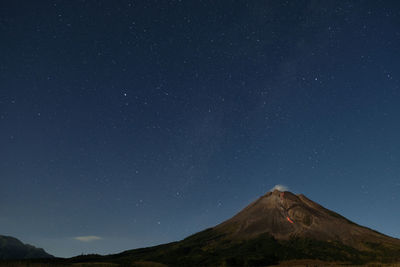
[126, 124]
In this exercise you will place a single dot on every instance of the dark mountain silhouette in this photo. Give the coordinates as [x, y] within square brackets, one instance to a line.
[12, 248]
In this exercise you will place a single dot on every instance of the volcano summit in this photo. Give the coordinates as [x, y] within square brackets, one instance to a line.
[285, 215]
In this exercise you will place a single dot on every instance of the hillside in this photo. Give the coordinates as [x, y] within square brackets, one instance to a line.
[12, 248]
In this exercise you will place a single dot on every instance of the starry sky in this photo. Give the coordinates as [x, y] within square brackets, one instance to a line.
[126, 124]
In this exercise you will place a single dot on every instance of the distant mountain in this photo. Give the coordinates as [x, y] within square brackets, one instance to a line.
[12, 248]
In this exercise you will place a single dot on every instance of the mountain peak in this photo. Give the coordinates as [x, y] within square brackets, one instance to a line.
[279, 187]
[285, 215]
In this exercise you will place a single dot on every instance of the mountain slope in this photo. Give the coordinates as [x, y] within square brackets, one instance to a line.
[12, 248]
[285, 215]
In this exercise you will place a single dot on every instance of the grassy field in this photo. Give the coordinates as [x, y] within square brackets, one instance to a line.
[294, 263]
[318, 263]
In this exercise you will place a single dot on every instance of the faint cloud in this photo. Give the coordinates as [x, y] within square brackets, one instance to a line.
[88, 238]
[280, 187]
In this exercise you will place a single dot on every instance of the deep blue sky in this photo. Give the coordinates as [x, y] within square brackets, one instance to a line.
[141, 122]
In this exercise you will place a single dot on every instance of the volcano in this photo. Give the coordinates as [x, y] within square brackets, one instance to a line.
[285, 216]
[278, 226]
